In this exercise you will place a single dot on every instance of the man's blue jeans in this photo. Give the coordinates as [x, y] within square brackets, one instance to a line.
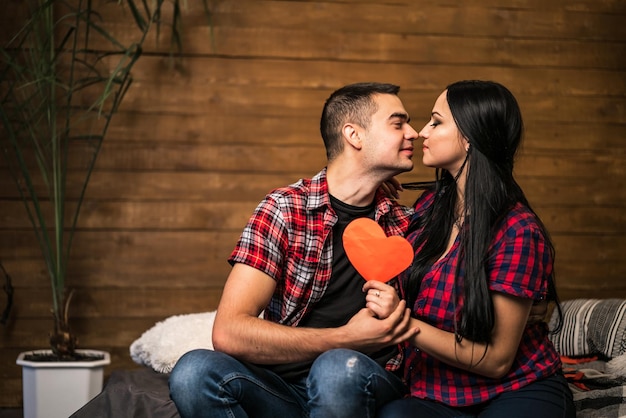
[342, 383]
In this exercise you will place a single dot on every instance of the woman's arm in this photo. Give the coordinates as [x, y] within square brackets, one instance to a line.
[493, 360]
[508, 268]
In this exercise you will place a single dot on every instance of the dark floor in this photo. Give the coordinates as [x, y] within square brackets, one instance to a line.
[11, 413]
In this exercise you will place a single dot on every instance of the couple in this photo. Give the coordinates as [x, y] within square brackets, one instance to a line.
[450, 338]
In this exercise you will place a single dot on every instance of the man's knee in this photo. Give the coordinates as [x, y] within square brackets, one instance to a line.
[340, 358]
[340, 365]
[185, 370]
[192, 368]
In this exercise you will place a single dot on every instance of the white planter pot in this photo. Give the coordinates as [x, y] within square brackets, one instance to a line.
[58, 389]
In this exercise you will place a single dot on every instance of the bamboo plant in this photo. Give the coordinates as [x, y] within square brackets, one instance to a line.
[63, 76]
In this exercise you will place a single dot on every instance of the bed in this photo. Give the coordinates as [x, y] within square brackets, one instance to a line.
[592, 344]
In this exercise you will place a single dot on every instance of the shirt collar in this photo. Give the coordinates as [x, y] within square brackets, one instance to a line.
[319, 196]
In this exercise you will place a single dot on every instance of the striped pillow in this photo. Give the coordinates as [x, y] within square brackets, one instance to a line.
[591, 327]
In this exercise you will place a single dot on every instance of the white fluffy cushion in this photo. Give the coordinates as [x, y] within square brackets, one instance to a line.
[161, 346]
[591, 327]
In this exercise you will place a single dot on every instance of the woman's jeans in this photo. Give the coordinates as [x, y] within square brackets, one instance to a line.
[341, 383]
[547, 398]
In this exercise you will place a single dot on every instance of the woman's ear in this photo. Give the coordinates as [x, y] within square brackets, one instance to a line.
[351, 135]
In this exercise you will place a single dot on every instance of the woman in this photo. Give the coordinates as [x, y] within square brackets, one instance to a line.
[482, 258]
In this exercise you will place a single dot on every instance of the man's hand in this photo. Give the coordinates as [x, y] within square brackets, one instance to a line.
[538, 312]
[392, 188]
[369, 334]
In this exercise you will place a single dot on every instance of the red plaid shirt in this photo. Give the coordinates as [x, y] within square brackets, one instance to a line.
[289, 238]
[519, 264]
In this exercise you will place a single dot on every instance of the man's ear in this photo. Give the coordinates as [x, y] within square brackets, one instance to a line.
[350, 133]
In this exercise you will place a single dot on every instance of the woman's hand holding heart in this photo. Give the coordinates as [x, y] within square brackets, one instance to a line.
[378, 258]
[380, 298]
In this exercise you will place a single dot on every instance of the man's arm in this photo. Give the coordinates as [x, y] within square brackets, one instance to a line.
[239, 332]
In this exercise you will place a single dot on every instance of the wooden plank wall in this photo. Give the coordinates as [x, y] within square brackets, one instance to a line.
[200, 140]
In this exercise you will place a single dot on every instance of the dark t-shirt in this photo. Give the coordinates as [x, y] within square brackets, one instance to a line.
[344, 296]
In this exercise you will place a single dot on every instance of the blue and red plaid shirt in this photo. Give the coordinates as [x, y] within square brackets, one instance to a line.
[519, 264]
[289, 237]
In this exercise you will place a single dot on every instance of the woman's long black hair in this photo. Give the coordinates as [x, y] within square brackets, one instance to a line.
[489, 118]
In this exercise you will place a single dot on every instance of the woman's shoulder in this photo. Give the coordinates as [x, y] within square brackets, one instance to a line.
[521, 216]
[423, 202]
[520, 222]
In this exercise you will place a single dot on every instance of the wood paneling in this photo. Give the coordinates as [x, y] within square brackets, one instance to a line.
[202, 137]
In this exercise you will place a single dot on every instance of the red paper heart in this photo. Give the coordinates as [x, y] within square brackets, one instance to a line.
[375, 255]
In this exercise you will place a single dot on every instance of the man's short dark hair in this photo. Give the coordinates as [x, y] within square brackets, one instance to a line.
[351, 103]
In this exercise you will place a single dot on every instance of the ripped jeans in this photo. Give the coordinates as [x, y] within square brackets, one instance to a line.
[341, 383]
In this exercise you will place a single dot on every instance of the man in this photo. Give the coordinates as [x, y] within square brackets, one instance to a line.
[319, 351]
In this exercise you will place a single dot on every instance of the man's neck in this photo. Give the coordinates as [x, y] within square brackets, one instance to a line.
[351, 186]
